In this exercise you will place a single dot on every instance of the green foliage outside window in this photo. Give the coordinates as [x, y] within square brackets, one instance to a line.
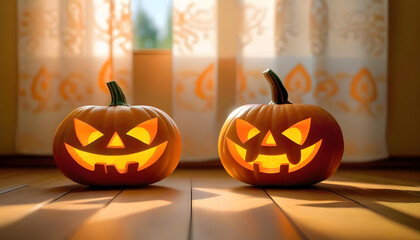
[152, 24]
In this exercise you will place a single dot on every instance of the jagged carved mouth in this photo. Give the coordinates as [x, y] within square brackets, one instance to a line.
[272, 163]
[120, 162]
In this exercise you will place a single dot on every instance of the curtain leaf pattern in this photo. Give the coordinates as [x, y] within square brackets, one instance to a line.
[194, 45]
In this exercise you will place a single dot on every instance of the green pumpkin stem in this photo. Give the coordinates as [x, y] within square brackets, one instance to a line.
[278, 91]
[117, 95]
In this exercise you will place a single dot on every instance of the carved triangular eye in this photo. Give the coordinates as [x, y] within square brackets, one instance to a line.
[245, 130]
[145, 131]
[86, 133]
[299, 131]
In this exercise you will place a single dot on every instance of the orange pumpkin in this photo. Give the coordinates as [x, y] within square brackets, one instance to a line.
[280, 144]
[119, 145]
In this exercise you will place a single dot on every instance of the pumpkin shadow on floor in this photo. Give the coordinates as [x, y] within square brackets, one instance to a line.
[378, 200]
[62, 189]
[79, 204]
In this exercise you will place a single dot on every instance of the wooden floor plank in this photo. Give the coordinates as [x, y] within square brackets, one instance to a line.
[160, 211]
[58, 219]
[401, 177]
[405, 199]
[224, 208]
[377, 183]
[8, 173]
[353, 204]
[396, 203]
[14, 177]
[411, 176]
[324, 215]
[17, 204]
[10, 189]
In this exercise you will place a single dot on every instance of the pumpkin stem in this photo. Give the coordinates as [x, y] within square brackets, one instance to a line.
[278, 91]
[117, 95]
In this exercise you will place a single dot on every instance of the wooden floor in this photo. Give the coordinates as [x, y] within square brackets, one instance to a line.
[209, 204]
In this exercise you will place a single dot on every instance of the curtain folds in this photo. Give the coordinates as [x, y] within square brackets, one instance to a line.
[67, 51]
[330, 53]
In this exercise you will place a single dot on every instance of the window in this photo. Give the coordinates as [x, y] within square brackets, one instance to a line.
[152, 22]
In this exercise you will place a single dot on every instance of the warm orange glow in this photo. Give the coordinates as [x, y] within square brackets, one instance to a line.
[120, 162]
[245, 130]
[272, 163]
[145, 131]
[268, 140]
[115, 142]
[299, 131]
[86, 133]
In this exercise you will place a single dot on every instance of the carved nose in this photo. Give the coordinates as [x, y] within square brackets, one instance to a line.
[115, 142]
[268, 140]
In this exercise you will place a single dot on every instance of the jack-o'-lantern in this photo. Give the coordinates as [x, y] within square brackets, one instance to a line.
[280, 144]
[119, 145]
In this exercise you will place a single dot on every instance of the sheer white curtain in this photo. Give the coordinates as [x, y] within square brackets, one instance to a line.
[67, 51]
[331, 53]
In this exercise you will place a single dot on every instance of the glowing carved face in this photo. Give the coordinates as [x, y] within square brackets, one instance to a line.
[271, 163]
[145, 132]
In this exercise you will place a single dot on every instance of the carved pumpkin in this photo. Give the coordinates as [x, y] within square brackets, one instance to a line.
[280, 144]
[117, 145]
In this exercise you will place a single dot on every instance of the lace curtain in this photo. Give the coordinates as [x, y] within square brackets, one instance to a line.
[67, 51]
[330, 53]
